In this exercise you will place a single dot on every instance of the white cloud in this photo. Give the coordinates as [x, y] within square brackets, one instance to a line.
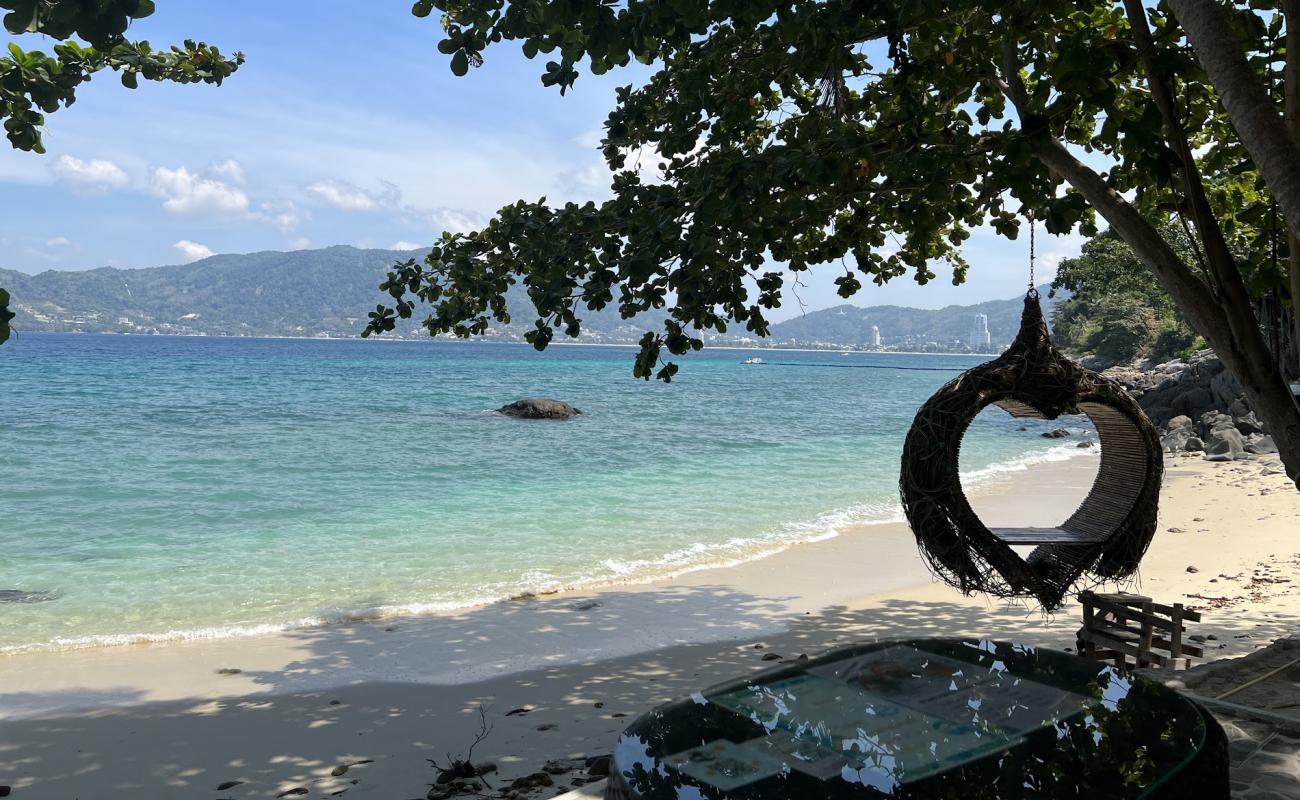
[188, 193]
[350, 197]
[193, 251]
[230, 170]
[92, 175]
[590, 138]
[592, 180]
[58, 241]
[299, 243]
[454, 220]
[405, 245]
[285, 216]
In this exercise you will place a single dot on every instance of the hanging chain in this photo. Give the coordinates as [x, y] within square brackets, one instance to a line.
[1033, 290]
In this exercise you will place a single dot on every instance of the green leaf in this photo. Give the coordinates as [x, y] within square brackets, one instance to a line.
[5, 316]
[460, 63]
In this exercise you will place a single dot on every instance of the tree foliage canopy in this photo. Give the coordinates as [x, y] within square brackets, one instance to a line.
[33, 83]
[1116, 308]
[871, 136]
[1106, 266]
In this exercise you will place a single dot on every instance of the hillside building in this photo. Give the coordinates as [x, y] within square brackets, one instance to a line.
[979, 334]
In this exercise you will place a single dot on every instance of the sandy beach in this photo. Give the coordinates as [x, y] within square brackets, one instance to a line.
[176, 720]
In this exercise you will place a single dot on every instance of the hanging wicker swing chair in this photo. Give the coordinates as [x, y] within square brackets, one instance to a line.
[1103, 540]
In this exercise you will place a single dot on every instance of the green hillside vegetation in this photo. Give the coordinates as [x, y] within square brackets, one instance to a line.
[328, 292]
[1116, 310]
[299, 293]
[944, 329]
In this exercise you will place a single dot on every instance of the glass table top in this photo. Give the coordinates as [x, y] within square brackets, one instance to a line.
[922, 718]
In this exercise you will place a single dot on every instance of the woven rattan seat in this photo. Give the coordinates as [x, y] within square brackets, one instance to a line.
[1026, 536]
[1108, 534]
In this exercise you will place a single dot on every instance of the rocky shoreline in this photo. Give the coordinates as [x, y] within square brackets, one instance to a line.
[1198, 406]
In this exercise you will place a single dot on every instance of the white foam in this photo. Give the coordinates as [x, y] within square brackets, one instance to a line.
[986, 475]
[693, 558]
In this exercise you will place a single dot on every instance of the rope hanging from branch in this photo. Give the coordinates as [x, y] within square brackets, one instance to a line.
[1103, 540]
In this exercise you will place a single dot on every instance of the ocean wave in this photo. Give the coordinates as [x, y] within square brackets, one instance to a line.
[983, 477]
[609, 572]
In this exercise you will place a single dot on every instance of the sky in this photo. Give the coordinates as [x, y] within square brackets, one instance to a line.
[344, 126]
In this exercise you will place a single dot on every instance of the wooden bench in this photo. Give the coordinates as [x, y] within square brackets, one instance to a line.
[1133, 631]
[1037, 536]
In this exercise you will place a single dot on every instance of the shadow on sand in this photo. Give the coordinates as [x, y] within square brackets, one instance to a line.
[576, 701]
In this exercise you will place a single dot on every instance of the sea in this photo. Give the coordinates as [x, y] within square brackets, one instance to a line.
[158, 488]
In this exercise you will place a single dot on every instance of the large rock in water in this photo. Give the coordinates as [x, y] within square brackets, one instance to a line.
[539, 408]
[19, 596]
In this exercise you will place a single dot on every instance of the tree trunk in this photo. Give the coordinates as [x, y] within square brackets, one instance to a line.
[1262, 130]
[1231, 330]
[1291, 87]
[1246, 356]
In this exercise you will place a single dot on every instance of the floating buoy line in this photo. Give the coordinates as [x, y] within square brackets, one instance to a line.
[851, 366]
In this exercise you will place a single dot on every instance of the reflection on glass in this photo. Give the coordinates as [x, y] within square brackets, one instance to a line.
[931, 718]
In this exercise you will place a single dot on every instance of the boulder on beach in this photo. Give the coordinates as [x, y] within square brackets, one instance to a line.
[1225, 444]
[1248, 423]
[1056, 433]
[539, 408]
[1260, 444]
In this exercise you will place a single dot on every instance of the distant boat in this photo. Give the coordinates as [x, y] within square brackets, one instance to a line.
[755, 360]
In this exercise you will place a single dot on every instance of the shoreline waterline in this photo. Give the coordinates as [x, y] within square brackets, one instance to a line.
[559, 678]
[698, 558]
[452, 340]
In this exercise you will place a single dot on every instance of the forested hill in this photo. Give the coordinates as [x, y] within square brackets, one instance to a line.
[298, 293]
[328, 292]
[902, 328]
[267, 293]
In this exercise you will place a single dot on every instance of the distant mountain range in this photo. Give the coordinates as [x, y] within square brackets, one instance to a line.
[944, 329]
[328, 292]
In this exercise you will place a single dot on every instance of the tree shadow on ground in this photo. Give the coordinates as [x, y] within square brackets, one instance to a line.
[411, 689]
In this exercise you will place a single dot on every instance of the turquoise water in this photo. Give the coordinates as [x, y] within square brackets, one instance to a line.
[168, 488]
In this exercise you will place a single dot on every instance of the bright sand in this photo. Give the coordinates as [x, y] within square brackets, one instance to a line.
[156, 721]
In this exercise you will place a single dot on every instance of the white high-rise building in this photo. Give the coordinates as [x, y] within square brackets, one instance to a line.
[979, 334]
[875, 337]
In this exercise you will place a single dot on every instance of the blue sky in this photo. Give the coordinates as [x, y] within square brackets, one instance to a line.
[345, 126]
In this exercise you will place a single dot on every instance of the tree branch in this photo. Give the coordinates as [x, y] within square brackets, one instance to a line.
[1291, 89]
[1223, 268]
[1187, 289]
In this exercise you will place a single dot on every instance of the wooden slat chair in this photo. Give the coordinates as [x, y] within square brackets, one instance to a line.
[1129, 629]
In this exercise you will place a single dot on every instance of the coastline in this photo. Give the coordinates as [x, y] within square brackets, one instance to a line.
[715, 602]
[668, 567]
[458, 341]
[128, 721]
